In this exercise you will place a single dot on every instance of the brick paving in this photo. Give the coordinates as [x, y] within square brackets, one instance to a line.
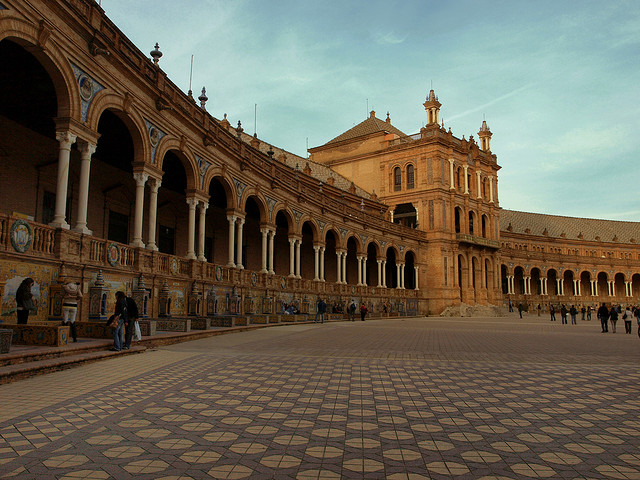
[491, 398]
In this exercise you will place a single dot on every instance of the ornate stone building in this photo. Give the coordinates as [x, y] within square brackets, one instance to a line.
[121, 181]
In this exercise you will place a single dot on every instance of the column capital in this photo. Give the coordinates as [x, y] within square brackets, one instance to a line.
[231, 218]
[141, 178]
[240, 221]
[192, 202]
[203, 206]
[86, 149]
[66, 139]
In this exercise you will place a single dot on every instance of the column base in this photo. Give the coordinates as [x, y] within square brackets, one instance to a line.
[264, 270]
[272, 272]
[240, 266]
[190, 256]
[152, 246]
[82, 229]
[60, 224]
[231, 265]
[202, 258]
[137, 244]
[292, 275]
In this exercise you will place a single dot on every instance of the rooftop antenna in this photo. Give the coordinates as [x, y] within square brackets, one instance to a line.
[431, 84]
[190, 93]
[255, 118]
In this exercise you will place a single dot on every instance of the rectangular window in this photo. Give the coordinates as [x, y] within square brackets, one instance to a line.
[118, 230]
[48, 207]
[166, 240]
[431, 216]
[410, 176]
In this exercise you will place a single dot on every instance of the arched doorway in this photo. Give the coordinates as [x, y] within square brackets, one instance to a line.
[409, 271]
[281, 246]
[391, 270]
[330, 260]
[352, 261]
[251, 235]
[172, 216]
[307, 254]
[217, 239]
[371, 271]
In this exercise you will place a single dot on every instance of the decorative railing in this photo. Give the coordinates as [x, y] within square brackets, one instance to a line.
[484, 242]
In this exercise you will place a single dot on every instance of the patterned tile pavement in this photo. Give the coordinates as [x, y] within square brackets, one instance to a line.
[401, 399]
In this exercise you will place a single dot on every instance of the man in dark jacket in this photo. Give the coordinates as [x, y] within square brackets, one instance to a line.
[132, 314]
[603, 315]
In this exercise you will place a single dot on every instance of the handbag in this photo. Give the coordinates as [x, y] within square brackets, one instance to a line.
[137, 334]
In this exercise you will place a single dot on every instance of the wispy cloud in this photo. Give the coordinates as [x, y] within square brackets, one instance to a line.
[490, 103]
[390, 38]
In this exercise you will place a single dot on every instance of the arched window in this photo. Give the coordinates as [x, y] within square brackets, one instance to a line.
[397, 179]
[410, 176]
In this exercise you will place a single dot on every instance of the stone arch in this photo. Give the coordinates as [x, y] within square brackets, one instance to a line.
[569, 276]
[336, 231]
[635, 286]
[251, 192]
[376, 246]
[619, 286]
[227, 184]
[410, 262]
[504, 273]
[291, 219]
[536, 275]
[396, 178]
[602, 279]
[134, 123]
[552, 285]
[51, 59]
[485, 226]
[168, 144]
[518, 280]
[585, 283]
[473, 222]
[458, 219]
[315, 228]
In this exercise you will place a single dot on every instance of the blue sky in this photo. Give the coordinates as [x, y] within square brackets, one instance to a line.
[557, 81]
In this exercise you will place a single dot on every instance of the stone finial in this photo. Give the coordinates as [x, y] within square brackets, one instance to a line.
[165, 288]
[156, 54]
[203, 98]
[307, 169]
[239, 129]
[141, 282]
[255, 143]
[225, 123]
[99, 279]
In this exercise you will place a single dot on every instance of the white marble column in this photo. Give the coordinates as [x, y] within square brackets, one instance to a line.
[416, 271]
[322, 249]
[338, 267]
[191, 235]
[154, 185]
[364, 272]
[576, 287]
[384, 273]
[86, 150]
[292, 257]
[379, 262]
[66, 139]
[240, 222]
[272, 236]
[298, 245]
[359, 258]
[452, 185]
[316, 262]
[344, 268]
[527, 286]
[628, 289]
[232, 240]
[201, 231]
[401, 278]
[479, 185]
[398, 275]
[141, 179]
[265, 233]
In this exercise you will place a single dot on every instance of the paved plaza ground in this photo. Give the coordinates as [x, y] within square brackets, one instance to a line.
[440, 398]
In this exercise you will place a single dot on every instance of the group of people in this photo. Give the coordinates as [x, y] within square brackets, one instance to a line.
[123, 320]
[610, 316]
[572, 311]
[321, 309]
[290, 309]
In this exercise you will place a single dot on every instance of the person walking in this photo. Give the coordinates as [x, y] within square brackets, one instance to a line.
[552, 312]
[573, 312]
[589, 313]
[119, 319]
[583, 311]
[520, 308]
[613, 318]
[363, 311]
[563, 314]
[320, 309]
[539, 309]
[603, 315]
[72, 293]
[628, 315]
[24, 300]
[352, 311]
[637, 314]
[129, 325]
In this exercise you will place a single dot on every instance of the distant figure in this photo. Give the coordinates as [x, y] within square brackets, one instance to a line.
[552, 312]
[363, 311]
[539, 308]
[24, 300]
[613, 318]
[563, 314]
[589, 313]
[573, 312]
[321, 308]
[603, 315]
[510, 306]
[520, 308]
[628, 315]
[583, 311]
[352, 312]
[120, 318]
[72, 293]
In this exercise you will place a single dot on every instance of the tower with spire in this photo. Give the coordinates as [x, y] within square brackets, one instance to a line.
[432, 106]
[485, 137]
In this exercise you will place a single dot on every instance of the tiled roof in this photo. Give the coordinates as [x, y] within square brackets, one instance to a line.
[370, 125]
[572, 228]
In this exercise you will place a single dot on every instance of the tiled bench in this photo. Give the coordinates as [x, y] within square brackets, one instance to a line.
[39, 334]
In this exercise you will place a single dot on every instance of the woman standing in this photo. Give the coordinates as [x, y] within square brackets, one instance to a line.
[24, 300]
[72, 294]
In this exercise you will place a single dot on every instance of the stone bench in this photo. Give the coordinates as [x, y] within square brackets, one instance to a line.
[39, 333]
[147, 326]
[94, 330]
[201, 323]
[173, 324]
